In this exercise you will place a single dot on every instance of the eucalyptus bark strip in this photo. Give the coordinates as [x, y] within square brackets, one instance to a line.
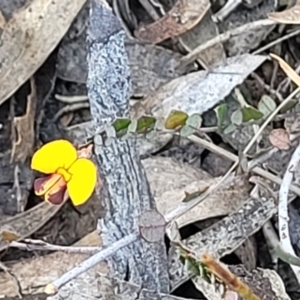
[225, 236]
[125, 193]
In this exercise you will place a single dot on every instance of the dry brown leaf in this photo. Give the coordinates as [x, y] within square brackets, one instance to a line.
[199, 91]
[288, 16]
[224, 201]
[247, 253]
[166, 174]
[201, 33]
[34, 273]
[170, 180]
[287, 69]
[22, 147]
[29, 37]
[144, 60]
[251, 38]
[2, 20]
[26, 223]
[66, 119]
[280, 139]
[182, 17]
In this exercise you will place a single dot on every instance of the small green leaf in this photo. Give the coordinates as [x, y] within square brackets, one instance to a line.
[190, 264]
[108, 141]
[145, 123]
[194, 120]
[229, 129]
[222, 116]
[251, 113]
[191, 267]
[237, 117]
[190, 196]
[266, 105]
[291, 104]
[121, 124]
[176, 118]
[111, 132]
[186, 131]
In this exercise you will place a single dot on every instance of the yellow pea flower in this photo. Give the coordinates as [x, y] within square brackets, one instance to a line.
[67, 173]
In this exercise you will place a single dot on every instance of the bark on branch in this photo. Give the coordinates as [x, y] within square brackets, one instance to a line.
[125, 193]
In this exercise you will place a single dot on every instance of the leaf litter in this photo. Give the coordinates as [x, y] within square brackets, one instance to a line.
[280, 139]
[162, 84]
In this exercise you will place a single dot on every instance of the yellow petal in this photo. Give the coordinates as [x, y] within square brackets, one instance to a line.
[54, 155]
[83, 180]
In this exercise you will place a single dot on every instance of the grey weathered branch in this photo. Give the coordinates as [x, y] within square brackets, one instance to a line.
[94, 286]
[125, 193]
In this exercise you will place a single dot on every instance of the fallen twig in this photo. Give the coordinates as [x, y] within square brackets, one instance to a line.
[267, 87]
[69, 108]
[269, 119]
[259, 171]
[254, 139]
[39, 245]
[71, 99]
[53, 287]
[193, 55]
[277, 41]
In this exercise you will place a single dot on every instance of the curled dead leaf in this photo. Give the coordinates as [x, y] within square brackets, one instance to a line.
[26, 41]
[181, 18]
[287, 69]
[288, 16]
[192, 93]
[280, 139]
